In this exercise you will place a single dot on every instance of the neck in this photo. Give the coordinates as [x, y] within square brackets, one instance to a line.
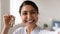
[30, 28]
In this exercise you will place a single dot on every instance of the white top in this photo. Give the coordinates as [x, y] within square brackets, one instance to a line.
[37, 30]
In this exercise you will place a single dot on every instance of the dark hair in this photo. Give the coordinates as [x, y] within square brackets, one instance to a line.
[28, 3]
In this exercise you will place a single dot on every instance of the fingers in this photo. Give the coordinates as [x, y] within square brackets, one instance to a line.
[12, 17]
[8, 19]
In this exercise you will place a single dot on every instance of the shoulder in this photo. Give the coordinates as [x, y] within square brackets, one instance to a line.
[19, 30]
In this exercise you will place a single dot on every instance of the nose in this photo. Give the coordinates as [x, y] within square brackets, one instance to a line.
[29, 16]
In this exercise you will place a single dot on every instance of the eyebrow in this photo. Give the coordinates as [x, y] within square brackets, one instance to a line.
[24, 11]
[33, 10]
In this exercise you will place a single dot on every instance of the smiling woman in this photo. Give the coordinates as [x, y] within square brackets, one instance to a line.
[29, 14]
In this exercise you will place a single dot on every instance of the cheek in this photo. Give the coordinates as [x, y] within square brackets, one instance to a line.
[36, 18]
[23, 19]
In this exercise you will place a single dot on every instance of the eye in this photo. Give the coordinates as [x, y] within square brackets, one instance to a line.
[24, 13]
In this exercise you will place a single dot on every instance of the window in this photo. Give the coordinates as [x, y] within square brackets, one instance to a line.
[14, 10]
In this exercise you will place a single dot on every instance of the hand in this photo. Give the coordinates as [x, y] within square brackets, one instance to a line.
[8, 20]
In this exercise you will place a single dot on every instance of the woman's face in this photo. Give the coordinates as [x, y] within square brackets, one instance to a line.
[29, 15]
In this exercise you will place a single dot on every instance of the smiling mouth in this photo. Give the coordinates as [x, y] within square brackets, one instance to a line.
[30, 21]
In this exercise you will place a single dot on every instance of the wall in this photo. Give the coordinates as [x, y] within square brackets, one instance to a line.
[0, 16]
[5, 8]
[49, 10]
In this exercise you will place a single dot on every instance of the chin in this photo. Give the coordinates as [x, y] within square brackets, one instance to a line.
[29, 24]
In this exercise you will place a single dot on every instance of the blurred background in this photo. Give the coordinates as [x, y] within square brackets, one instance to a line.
[49, 12]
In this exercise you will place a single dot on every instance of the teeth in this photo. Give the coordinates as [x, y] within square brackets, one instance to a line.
[30, 21]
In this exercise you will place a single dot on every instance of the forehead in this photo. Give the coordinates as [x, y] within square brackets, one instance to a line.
[27, 8]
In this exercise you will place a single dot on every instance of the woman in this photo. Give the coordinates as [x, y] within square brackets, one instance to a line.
[29, 14]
